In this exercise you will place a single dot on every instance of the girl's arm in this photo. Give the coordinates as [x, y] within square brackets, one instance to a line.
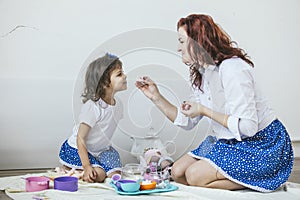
[89, 173]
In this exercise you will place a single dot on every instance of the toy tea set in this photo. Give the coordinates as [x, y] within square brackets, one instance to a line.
[39, 183]
[152, 175]
[67, 180]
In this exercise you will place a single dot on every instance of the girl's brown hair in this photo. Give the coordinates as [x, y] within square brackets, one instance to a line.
[208, 44]
[97, 77]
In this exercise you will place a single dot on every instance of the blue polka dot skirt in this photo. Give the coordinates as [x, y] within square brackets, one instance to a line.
[262, 162]
[108, 159]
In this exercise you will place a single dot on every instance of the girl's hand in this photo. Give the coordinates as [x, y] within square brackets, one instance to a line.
[148, 87]
[89, 174]
[191, 109]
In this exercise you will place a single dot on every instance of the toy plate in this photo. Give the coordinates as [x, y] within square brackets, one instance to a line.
[157, 190]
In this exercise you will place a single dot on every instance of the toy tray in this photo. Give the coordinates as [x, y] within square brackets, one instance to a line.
[157, 190]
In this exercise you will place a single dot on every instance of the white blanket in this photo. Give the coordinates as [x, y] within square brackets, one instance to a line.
[14, 187]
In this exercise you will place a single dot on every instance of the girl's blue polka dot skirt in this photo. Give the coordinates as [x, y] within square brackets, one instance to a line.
[262, 162]
[108, 159]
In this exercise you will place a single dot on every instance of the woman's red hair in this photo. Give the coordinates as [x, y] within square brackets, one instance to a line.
[208, 44]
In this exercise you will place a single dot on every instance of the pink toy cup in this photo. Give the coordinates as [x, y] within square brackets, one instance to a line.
[36, 183]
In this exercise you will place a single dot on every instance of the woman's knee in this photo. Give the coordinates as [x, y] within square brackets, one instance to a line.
[200, 174]
[193, 177]
[177, 171]
[180, 166]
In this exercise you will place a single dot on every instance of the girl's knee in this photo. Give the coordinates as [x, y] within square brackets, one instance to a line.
[101, 175]
[113, 173]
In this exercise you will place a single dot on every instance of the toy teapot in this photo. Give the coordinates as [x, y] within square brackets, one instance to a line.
[150, 141]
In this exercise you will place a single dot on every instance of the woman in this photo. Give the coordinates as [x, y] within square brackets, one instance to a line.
[247, 146]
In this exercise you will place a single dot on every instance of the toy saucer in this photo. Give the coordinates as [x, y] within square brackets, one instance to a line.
[169, 188]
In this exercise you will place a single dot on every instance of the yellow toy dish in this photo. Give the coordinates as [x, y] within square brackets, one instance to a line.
[147, 186]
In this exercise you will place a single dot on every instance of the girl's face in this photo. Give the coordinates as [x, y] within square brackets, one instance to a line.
[183, 45]
[118, 80]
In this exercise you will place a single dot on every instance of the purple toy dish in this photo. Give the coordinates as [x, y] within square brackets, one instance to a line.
[66, 183]
[128, 185]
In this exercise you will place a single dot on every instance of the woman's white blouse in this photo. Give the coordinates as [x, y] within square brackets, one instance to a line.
[231, 89]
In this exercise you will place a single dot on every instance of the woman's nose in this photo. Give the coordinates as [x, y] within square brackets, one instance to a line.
[179, 48]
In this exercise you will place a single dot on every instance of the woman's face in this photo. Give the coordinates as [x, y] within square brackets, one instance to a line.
[183, 45]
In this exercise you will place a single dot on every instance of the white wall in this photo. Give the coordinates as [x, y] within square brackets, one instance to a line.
[45, 45]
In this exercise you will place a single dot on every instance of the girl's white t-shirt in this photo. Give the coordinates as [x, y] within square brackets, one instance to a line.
[103, 120]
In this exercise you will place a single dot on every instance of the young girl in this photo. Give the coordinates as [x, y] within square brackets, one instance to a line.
[247, 146]
[89, 148]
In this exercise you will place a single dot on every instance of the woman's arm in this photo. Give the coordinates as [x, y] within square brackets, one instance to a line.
[149, 88]
[165, 107]
[193, 109]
